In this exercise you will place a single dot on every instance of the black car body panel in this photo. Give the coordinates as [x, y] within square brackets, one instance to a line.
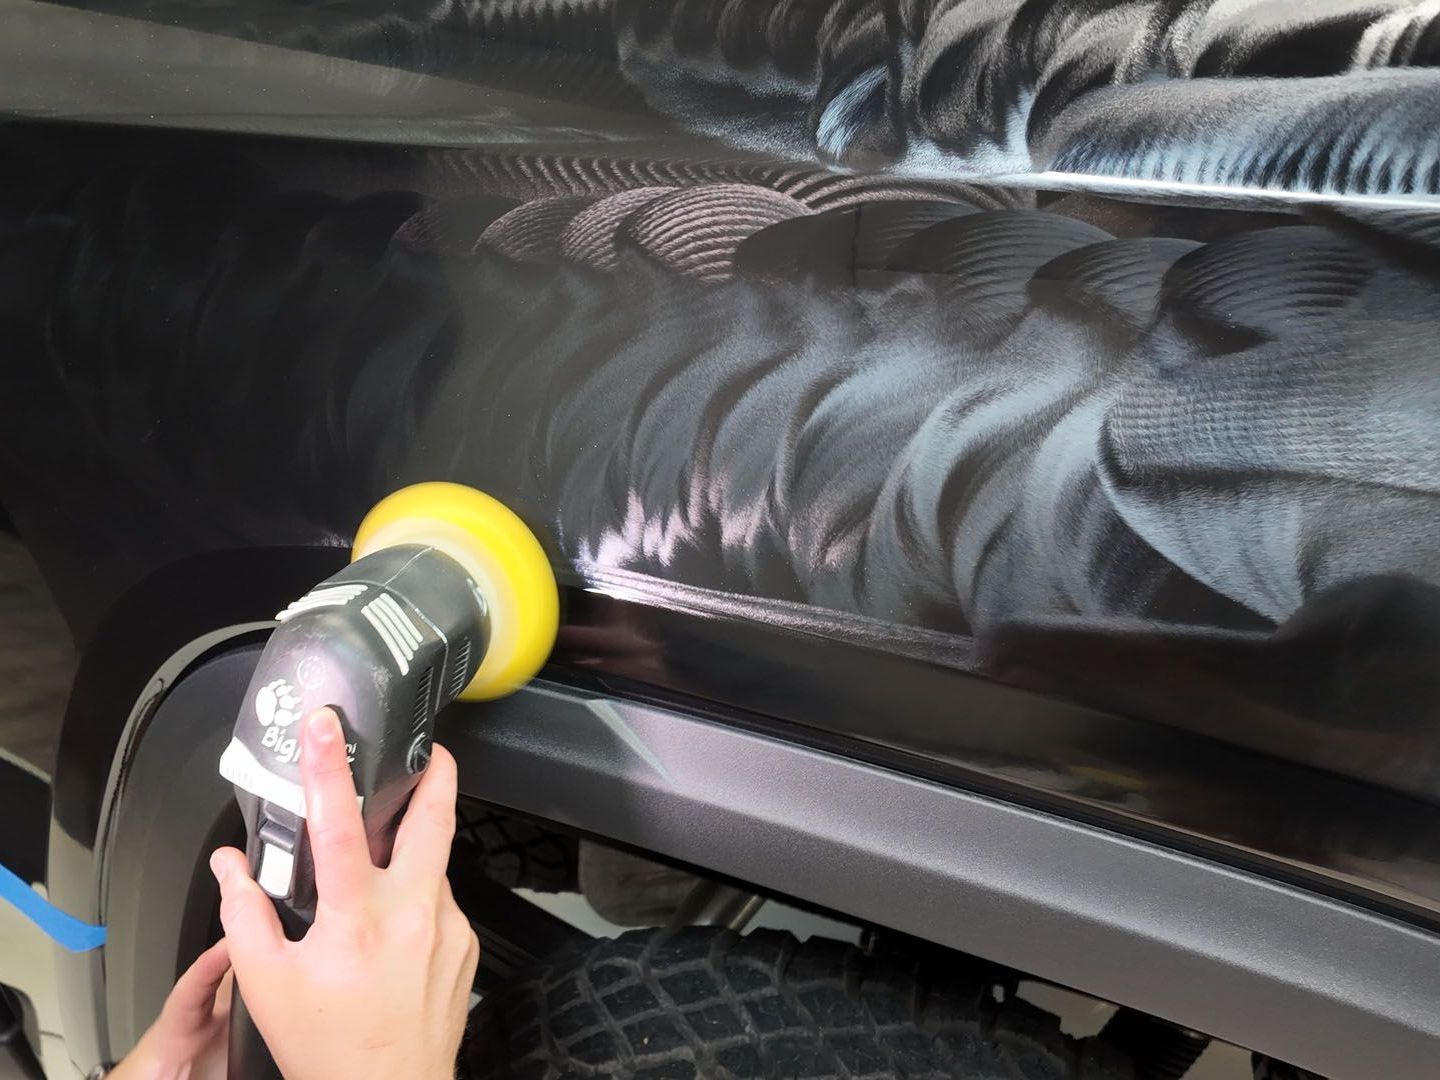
[1039, 398]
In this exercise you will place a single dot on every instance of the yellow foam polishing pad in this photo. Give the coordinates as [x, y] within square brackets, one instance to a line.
[502, 556]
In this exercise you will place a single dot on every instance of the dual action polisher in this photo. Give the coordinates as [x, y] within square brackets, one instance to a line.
[449, 596]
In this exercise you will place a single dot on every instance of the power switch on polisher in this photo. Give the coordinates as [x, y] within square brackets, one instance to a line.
[449, 596]
[279, 839]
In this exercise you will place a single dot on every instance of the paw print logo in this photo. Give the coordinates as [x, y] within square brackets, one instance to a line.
[277, 703]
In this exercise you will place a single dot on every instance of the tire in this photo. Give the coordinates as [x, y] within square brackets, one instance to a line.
[705, 1002]
[509, 851]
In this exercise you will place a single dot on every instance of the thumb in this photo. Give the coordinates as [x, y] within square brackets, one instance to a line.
[252, 928]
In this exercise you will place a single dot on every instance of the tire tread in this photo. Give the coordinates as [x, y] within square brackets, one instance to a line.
[707, 1003]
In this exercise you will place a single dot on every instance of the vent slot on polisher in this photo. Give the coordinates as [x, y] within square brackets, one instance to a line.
[462, 664]
[422, 701]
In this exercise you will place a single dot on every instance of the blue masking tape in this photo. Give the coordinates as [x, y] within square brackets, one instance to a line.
[65, 930]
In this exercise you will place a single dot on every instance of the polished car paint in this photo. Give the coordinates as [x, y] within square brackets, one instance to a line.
[849, 361]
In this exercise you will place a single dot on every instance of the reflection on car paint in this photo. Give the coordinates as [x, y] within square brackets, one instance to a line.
[1334, 97]
[1174, 462]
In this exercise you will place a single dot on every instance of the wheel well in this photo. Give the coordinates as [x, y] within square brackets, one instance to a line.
[142, 646]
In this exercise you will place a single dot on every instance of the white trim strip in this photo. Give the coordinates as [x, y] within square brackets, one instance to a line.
[392, 624]
[329, 596]
[402, 661]
[238, 765]
[400, 618]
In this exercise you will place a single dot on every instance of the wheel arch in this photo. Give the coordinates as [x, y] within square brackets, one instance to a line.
[146, 642]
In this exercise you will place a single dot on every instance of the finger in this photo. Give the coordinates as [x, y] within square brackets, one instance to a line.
[252, 929]
[225, 995]
[192, 999]
[332, 816]
[422, 846]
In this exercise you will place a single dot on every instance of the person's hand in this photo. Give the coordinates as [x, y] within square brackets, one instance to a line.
[380, 984]
[189, 1040]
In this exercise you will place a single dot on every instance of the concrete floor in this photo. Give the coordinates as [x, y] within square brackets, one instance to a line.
[37, 662]
[26, 961]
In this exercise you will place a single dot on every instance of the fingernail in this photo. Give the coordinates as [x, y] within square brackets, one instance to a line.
[324, 725]
[219, 866]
